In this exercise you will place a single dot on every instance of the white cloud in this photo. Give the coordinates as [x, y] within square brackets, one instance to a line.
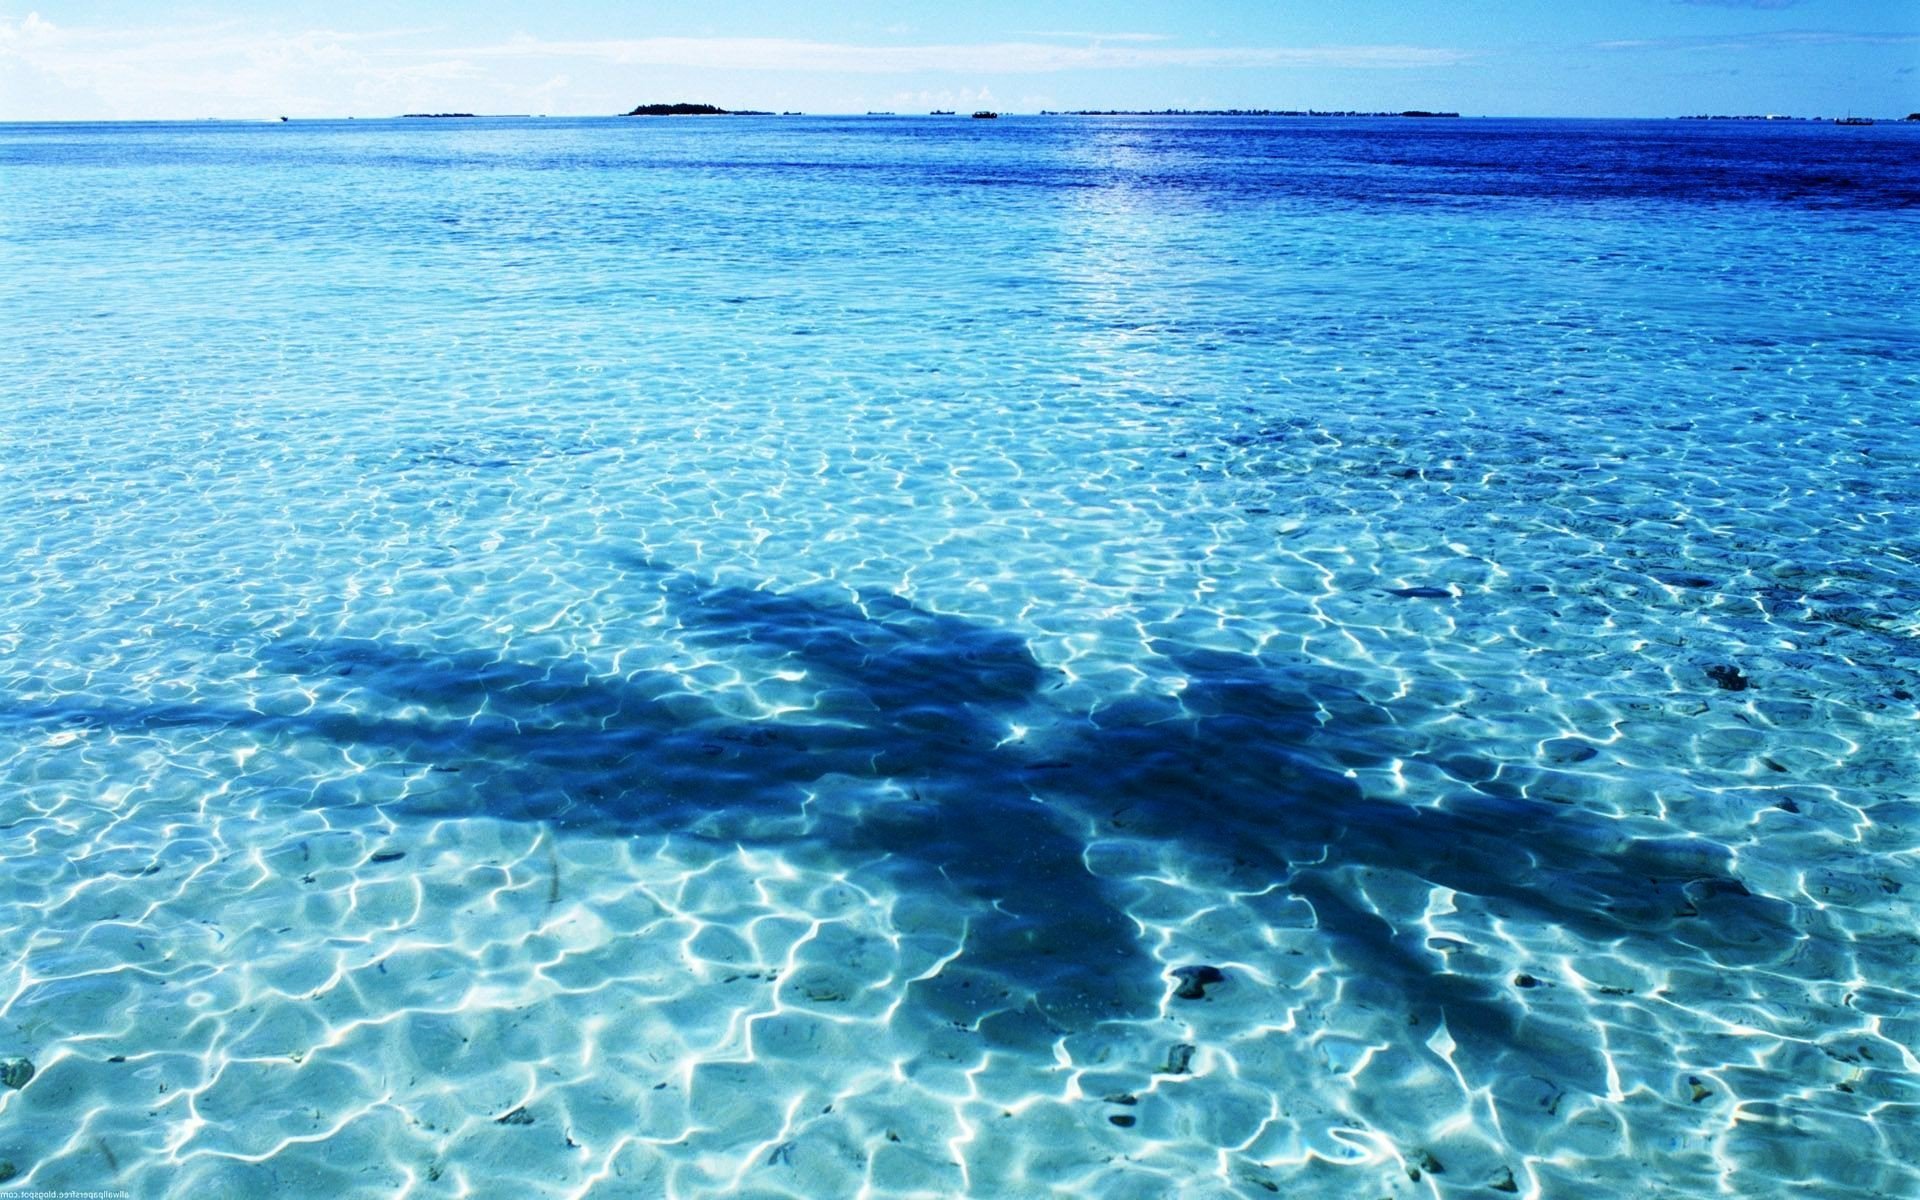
[227, 69]
[210, 70]
[1081, 35]
[1000, 58]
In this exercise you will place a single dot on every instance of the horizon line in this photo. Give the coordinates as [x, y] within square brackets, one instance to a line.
[1288, 113]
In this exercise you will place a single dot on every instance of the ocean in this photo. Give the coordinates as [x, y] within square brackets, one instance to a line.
[806, 657]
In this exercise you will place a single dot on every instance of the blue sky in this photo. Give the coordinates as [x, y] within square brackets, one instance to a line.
[93, 59]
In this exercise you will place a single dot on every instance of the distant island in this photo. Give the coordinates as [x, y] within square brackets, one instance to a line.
[692, 110]
[1237, 112]
[1846, 120]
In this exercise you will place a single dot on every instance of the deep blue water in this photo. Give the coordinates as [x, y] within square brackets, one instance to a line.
[745, 656]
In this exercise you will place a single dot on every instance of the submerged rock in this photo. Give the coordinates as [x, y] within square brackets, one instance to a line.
[1195, 980]
[1179, 1060]
[1728, 678]
[1683, 579]
[1427, 1161]
[16, 1071]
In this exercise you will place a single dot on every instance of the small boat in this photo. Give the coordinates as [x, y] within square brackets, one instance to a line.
[1853, 120]
[984, 115]
[941, 112]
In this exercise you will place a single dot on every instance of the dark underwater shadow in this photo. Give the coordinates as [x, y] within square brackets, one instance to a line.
[913, 710]
[905, 697]
[1255, 770]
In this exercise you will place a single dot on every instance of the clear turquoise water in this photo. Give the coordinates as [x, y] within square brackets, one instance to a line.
[739, 657]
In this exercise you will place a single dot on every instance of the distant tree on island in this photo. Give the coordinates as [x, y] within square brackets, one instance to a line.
[692, 110]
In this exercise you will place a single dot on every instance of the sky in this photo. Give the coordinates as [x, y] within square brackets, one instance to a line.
[162, 59]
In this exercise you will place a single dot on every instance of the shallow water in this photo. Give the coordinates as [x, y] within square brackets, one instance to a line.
[739, 657]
